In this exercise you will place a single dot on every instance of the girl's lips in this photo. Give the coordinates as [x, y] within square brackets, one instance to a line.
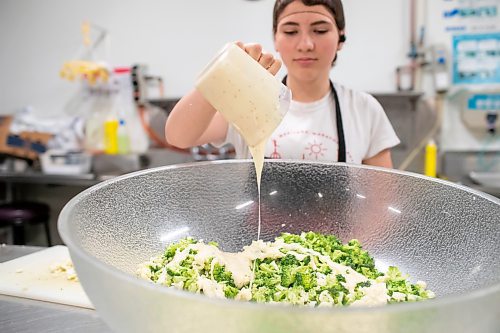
[305, 61]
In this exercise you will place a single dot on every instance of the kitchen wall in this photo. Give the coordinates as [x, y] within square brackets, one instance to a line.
[175, 39]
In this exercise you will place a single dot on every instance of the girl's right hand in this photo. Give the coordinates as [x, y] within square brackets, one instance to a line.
[267, 60]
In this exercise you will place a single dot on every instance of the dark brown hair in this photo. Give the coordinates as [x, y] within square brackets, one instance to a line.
[334, 6]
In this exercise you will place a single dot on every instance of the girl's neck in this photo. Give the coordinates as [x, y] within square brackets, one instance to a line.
[308, 90]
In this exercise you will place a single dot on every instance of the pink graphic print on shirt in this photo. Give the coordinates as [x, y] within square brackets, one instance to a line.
[314, 146]
[275, 153]
[314, 150]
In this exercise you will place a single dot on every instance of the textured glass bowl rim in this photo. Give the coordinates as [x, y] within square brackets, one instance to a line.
[438, 302]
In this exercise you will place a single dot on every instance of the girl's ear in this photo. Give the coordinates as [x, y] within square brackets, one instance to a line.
[342, 39]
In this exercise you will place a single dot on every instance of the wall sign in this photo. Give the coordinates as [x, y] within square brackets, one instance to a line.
[467, 16]
[476, 58]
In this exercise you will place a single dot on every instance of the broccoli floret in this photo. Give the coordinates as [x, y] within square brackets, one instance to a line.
[394, 274]
[289, 260]
[398, 286]
[268, 268]
[288, 266]
[354, 256]
[323, 268]
[173, 272]
[365, 284]
[261, 294]
[305, 280]
[294, 295]
[187, 276]
[293, 273]
[291, 238]
[418, 289]
[340, 277]
[191, 285]
[336, 289]
[324, 244]
[179, 246]
[222, 276]
[396, 282]
[305, 277]
[287, 276]
[207, 266]
[230, 291]
[183, 275]
[267, 275]
[154, 267]
[338, 256]
[188, 262]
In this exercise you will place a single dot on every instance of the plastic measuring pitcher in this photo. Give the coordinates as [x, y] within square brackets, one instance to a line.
[245, 93]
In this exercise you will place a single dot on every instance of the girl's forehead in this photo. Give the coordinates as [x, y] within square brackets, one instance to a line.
[297, 11]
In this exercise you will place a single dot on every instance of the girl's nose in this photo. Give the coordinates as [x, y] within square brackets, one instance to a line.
[306, 43]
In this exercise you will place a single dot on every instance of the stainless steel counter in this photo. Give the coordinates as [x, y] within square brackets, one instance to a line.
[103, 167]
[25, 315]
[38, 177]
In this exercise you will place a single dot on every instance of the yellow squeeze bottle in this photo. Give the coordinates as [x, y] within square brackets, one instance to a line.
[430, 168]
[111, 136]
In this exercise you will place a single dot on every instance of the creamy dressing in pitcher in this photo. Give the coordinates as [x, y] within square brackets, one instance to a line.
[248, 97]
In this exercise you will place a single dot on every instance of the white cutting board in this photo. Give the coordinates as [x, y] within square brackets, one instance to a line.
[30, 276]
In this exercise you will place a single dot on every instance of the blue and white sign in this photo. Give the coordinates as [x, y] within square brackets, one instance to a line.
[476, 58]
[484, 102]
[461, 16]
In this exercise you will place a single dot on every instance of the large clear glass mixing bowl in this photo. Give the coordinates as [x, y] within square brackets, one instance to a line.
[436, 231]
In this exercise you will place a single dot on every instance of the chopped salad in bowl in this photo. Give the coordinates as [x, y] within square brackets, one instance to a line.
[310, 269]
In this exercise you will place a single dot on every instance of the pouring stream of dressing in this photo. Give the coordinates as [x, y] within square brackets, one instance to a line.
[258, 152]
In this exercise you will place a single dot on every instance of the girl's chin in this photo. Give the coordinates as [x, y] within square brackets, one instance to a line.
[306, 73]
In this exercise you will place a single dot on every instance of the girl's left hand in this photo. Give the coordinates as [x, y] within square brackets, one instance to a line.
[267, 60]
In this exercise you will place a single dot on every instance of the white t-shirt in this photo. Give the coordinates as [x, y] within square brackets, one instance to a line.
[309, 131]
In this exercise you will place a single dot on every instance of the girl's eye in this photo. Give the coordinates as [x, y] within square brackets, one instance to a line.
[321, 31]
[290, 32]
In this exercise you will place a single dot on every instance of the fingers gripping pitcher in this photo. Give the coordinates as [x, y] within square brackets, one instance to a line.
[247, 95]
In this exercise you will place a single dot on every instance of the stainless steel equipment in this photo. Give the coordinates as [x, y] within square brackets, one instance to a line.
[445, 234]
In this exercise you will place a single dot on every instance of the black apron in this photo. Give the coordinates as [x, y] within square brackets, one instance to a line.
[340, 128]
